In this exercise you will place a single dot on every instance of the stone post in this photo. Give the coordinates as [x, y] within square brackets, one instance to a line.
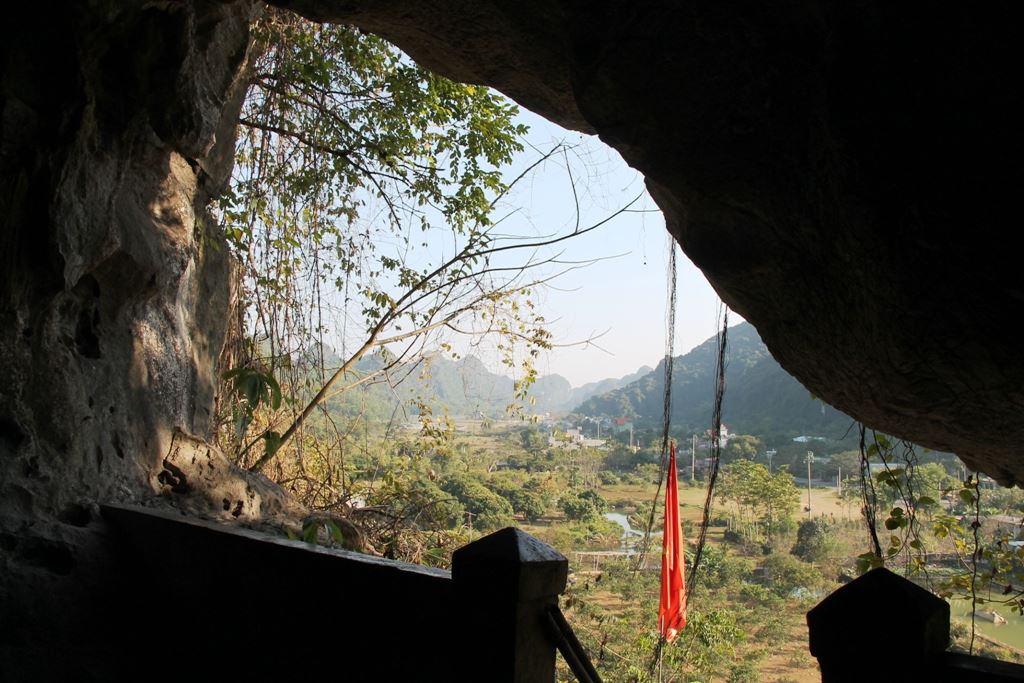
[879, 627]
[505, 583]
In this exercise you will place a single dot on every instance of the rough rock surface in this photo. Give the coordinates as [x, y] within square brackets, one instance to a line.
[843, 172]
[117, 126]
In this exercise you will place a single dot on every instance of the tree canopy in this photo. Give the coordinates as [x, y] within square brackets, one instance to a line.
[362, 214]
[769, 498]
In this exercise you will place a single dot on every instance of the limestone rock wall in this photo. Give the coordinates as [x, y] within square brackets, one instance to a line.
[117, 126]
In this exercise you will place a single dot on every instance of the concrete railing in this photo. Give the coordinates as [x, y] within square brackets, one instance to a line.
[882, 627]
[226, 601]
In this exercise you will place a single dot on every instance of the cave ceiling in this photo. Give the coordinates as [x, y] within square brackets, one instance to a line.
[846, 174]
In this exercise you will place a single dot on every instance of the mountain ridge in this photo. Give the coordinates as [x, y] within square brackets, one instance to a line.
[760, 397]
[465, 387]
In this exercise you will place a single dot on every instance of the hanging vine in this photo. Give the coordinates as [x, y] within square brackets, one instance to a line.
[981, 566]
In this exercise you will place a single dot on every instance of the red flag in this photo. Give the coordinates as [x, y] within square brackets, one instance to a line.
[672, 608]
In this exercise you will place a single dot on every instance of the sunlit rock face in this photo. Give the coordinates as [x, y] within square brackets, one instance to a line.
[846, 174]
[118, 125]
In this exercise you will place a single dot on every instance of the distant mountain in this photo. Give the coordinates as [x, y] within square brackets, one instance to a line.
[603, 386]
[760, 397]
[553, 393]
[463, 387]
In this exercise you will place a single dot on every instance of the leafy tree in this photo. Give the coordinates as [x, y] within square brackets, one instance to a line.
[648, 472]
[529, 504]
[489, 510]
[533, 439]
[718, 568]
[525, 500]
[716, 633]
[348, 154]
[815, 540]
[1002, 501]
[582, 505]
[599, 503]
[404, 513]
[767, 498]
[919, 486]
[847, 461]
[783, 573]
[622, 458]
[742, 446]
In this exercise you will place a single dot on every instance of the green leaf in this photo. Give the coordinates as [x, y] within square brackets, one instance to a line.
[275, 391]
[242, 420]
[867, 561]
[273, 442]
[251, 388]
[336, 533]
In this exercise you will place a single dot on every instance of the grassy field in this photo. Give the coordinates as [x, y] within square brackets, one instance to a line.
[785, 657]
[624, 497]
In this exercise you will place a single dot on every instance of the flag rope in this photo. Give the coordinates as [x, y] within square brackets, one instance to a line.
[716, 449]
[715, 456]
[666, 418]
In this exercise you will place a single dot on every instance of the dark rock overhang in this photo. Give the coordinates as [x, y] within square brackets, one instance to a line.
[845, 174]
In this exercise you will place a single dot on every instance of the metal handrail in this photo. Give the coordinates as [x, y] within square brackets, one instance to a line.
[570, 647]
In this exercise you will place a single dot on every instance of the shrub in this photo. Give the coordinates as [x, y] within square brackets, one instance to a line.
[491, 510]
[718, 568]
[815, 540]
[582, 506]
[755, 594]
[784, 573]
[744, 672]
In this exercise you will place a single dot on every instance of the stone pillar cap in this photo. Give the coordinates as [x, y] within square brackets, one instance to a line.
[847, 623]
[538, 568]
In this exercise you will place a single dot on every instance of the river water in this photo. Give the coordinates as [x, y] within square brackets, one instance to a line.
[1011, 633]
[622, 520]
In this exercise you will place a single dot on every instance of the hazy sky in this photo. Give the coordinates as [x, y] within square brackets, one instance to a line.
[621, 299]
[618, 302]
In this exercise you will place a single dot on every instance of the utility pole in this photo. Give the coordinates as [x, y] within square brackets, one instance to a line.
[839, 482]
[810, 459]
[693, 457]
[770, 453]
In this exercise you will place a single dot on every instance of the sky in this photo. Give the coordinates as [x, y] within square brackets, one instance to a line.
[607, 319]
[619, 301]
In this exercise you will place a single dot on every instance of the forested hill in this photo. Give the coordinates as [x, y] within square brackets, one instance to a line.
[761, 397]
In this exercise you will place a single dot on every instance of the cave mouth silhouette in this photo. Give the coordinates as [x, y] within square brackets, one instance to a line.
[843, 175]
